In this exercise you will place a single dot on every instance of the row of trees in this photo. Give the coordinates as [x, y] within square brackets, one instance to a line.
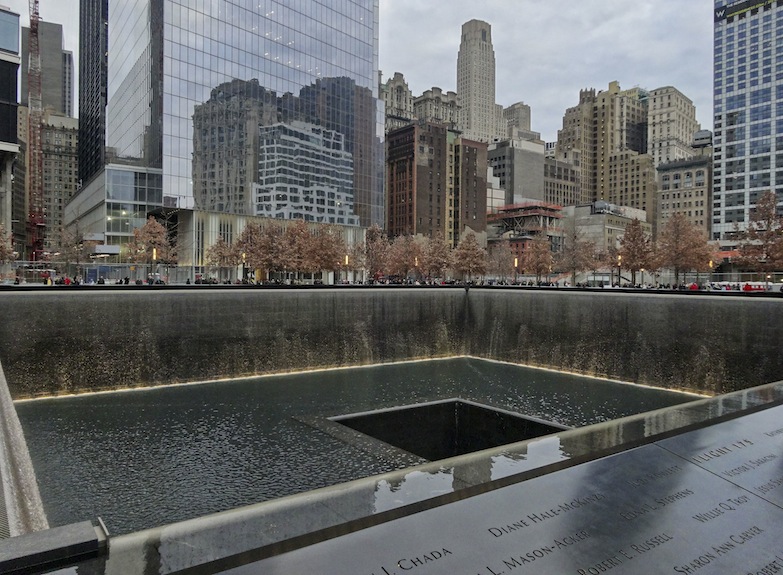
[681, 247]
[299, 248]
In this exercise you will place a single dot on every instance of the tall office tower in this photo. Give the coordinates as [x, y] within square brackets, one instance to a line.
[482, 118]
[168, 58]
[436, 181]
[68, 86]
[671, 124]
[59, 178]
[93, 70]
[56, 69]
[398, 101]
[748, 96]
[596, 130]
[9, 67]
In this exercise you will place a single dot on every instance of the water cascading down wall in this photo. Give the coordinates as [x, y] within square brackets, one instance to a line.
[69, 341]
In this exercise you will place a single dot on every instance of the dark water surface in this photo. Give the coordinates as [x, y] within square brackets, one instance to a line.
[144, 458]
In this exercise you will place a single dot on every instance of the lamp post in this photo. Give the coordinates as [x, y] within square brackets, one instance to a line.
[346, 268]
[712, 264]
[516, 264]
[244, 271]
[619, 271]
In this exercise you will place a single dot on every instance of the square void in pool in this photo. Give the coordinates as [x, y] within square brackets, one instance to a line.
[441, 429]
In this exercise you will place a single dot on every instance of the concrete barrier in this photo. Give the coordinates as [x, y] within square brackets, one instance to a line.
[21, 510]
[69, 341]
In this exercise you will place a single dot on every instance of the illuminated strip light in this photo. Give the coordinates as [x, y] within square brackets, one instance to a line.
[739, 8]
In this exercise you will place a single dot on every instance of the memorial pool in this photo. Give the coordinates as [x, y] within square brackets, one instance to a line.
[144, 458]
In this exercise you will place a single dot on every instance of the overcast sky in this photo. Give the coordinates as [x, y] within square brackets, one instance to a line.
[545, 50]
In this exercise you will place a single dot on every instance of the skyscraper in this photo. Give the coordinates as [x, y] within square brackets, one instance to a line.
[437, 182]
[56, 69]
[596, 130]
[481, 117]
[671, 124]
[178, 95]
[748, 96]
[93, 65]
[9, 66]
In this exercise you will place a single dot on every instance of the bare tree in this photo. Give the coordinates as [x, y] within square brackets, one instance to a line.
[537, 258]
[761, 247]
[635, 249]
[682, 246]
[437, 257]
[577, 253]
[73, 248]
[501, 260]
[470, 258]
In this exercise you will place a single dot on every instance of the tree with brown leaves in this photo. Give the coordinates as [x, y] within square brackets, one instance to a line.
[470, 259]
[761, 247]
[222, 255]
[376, 251]
[298, 248]
[404, 257]
[437, 257]
[329, 249]
[6, 246]
[150, 243]
[577, 254]
[682, 247]
[537, 259]
[635, 249]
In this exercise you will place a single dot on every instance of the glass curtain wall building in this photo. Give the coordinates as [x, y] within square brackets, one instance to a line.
[191, 84]
[748, 109]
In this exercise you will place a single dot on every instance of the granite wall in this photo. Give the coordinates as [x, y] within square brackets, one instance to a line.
[64, 341]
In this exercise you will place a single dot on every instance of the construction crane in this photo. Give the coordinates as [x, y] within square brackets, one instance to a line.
[36, 218]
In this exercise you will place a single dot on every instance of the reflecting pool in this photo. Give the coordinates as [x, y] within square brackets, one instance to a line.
[143, 458]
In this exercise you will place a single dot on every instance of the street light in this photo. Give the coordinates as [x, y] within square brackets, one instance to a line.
[619, 271]
[346, 268]
[516, 264]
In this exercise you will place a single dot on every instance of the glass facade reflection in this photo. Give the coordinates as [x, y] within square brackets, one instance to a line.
[192, 84]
